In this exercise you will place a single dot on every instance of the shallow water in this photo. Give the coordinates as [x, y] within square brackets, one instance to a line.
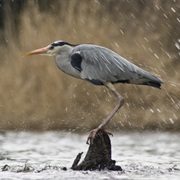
[41, 156]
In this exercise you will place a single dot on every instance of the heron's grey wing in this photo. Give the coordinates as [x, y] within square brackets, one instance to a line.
[103, 65]
[98, 63]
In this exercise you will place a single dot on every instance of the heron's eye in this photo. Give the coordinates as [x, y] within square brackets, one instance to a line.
[51, 47]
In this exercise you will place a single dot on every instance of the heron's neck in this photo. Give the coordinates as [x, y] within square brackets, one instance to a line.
[63, 62]
[63, 55]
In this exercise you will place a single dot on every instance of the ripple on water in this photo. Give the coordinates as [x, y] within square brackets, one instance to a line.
[45, 155]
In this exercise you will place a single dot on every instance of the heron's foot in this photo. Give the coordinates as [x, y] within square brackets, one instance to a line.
[92, 135]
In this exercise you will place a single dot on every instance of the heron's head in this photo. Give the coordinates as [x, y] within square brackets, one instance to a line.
[52, 49]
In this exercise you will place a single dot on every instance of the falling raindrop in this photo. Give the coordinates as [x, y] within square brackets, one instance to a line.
[177, 44]
[173, 9]
[121, 31]
[165, 15]
[156, 55]
[171, 120]
[146, 39]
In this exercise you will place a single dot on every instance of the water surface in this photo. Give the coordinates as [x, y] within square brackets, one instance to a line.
[42, 156]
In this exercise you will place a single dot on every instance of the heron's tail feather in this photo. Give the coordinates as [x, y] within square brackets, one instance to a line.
[149, 81]
[153, 84]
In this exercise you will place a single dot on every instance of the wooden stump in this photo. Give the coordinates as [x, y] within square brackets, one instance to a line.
[98, 156]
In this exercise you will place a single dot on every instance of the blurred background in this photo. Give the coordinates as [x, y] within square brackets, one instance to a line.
[36, 95]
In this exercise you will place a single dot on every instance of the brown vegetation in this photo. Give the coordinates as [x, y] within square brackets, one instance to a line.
[35, 95]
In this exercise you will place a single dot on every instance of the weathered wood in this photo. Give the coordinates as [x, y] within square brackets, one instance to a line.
[98, 156]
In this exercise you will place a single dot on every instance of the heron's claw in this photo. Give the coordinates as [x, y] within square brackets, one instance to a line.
[92, 135]
[107, 132]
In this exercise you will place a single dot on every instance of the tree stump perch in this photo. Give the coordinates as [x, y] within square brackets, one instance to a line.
[98, 156]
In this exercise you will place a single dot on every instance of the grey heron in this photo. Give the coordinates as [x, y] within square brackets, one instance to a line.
[100, 66]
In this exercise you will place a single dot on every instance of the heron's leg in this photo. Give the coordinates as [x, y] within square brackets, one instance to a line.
[108, 118]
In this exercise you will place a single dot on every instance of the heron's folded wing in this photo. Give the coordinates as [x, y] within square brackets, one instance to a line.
[101, 64]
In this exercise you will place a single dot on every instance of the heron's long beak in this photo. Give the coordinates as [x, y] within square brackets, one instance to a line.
[37, 51]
